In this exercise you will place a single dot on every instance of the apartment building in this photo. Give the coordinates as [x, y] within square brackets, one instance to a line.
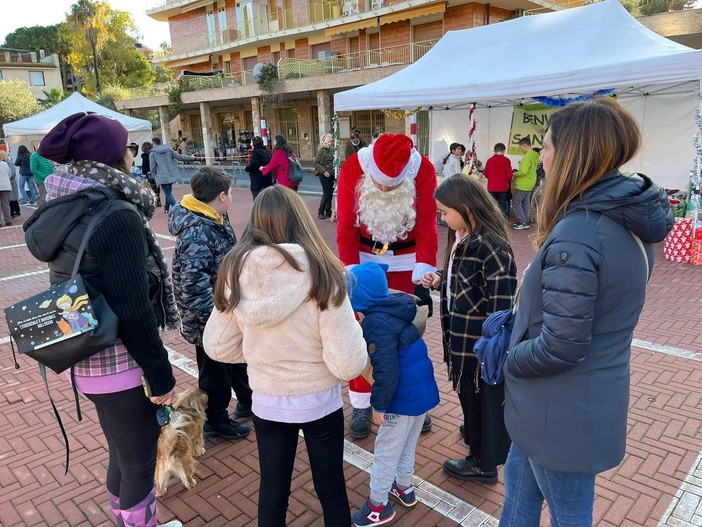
[320, 47]
[40, 71]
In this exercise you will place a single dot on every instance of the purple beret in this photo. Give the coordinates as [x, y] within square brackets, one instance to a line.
[85, 136]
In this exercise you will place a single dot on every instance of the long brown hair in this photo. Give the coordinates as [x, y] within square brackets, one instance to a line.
[588, 140]
[280, 216]
[476, 206]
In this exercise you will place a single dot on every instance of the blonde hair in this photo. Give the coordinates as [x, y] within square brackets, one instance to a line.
[280, 216]
[588, 140]
[76, 304]
[3, 155]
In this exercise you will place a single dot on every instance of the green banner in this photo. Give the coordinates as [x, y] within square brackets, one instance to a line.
[530, 121]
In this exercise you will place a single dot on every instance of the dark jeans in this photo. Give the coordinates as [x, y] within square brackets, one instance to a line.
[483, 418]
[128, 420]
[168, 192]
[255, 193]
[325, 204]
[502, 199]
[277, 445]
[218, 379]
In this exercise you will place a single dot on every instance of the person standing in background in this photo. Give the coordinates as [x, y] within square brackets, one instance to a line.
[260, 157]
[280, 164]
[41, 168]
[524, 182]
[162, 162]
[498, 171]
[26, 176]
[324, 170]
[354, 144]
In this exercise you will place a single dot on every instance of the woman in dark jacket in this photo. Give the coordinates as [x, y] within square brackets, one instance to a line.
[260, 157]
[146, 147]
[116, 263]
[324, 170]
[26, 176]
[567, 371]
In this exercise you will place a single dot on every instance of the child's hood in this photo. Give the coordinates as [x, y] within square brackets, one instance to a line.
[398, 305]
[271, 290]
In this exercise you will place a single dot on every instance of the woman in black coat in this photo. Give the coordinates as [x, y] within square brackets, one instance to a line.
[260, 157]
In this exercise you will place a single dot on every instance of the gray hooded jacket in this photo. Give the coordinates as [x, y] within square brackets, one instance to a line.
[567, 371]
[162, 161]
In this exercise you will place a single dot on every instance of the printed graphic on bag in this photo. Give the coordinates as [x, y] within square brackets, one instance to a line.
[61, 312]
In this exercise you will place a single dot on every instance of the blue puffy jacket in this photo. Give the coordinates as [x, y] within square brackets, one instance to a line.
[402, 371]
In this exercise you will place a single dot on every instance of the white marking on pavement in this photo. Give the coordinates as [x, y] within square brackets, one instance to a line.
[446, 504]
[668, 350]
[23, 275]
[13, 246]
[684, 509]
[166, 237]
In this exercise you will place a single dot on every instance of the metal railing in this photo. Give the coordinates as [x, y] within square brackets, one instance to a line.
[289, 68]
[198, 82]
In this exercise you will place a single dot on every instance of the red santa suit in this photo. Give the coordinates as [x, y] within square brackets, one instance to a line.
[391, 160]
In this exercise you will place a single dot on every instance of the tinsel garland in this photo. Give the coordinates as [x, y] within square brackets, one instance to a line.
[565, 101]
[400, 114]
[470, 149]
[335, 134]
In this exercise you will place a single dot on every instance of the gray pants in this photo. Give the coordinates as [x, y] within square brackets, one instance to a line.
[521, 203]
[393, 457]
[6, 217]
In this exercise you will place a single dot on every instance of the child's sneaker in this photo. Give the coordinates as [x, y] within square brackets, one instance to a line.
[370, 515]
[405, 497]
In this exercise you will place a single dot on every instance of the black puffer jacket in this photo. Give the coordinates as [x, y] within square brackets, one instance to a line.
[567, 371]
[260, 157]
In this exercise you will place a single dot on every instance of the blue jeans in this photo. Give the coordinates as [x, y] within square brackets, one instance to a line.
[168, 192]
[570, 496]
[29, 181]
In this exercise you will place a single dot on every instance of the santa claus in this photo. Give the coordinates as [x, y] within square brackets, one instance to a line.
[386, 214]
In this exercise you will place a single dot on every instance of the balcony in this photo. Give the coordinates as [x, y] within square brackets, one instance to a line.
[199, 82]
[260, 22]
[392, 56]
[13, 57]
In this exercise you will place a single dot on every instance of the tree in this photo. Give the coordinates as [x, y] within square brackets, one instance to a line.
[88, 18]
[652, 7]
[16, 101]
[113, 59]
[53, 97]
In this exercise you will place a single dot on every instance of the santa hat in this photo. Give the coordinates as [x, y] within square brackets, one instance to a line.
[390, 160]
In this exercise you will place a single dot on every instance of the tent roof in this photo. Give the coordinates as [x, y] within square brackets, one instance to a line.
[42, 123]
[579, 50]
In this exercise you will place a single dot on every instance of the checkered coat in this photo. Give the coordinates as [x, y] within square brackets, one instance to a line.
[483, 280]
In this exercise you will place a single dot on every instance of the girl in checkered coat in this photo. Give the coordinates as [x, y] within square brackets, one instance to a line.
[479, 278]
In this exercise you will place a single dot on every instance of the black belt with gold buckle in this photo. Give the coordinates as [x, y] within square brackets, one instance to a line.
[382, 248]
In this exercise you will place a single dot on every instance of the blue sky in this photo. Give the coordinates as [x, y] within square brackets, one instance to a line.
[48, 12]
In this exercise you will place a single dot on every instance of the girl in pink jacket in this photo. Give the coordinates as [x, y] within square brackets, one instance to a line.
[279, 163]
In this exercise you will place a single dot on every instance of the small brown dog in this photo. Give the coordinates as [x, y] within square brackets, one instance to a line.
[181, 440]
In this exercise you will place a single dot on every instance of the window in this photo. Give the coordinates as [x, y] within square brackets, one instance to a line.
[211, 28]
[36, 78]
[222, 18]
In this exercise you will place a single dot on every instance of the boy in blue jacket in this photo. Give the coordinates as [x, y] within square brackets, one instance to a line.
[403, 391]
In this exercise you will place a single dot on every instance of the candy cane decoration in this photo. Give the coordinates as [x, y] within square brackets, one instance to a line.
[470, 149]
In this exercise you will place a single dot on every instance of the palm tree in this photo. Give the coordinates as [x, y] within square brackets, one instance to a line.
[85, 15]
[53, 97]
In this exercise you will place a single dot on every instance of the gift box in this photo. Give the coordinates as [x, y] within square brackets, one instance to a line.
[696, 250]
[677, 246]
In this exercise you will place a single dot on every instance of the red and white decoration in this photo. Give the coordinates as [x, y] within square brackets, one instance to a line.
[678, 244]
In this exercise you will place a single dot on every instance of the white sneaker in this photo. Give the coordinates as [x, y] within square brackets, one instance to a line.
[172, 523]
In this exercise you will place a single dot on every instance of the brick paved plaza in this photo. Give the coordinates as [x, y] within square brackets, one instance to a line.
[658, 483]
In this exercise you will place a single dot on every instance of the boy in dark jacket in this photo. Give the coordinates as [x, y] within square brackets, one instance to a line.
[404, 389]
[205, 236]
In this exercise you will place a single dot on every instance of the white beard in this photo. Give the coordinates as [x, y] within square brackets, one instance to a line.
[387, 216]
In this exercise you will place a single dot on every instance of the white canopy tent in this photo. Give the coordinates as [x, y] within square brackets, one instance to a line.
[31, 130]
[569, 52]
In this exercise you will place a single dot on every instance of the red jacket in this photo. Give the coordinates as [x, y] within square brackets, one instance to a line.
[279, 164]
[424, 235]
[498, 171]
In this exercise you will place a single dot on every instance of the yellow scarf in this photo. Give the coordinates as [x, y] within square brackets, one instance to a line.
[195, 205]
